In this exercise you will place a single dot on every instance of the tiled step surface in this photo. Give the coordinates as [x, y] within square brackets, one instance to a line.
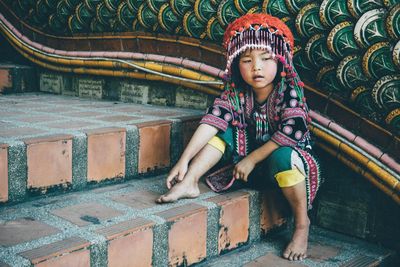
[121, 225]
[51, 143]
[325, 248]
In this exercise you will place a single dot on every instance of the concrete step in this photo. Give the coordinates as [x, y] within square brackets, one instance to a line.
[121, 225]
[16, 78]
[52, 144]
[326, 248]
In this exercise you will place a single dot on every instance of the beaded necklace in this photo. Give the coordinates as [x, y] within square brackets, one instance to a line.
[262, 123]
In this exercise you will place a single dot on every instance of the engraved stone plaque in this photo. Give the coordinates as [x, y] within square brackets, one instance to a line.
[51, 83]
[190, 99]
[134, 93]
[90, 88]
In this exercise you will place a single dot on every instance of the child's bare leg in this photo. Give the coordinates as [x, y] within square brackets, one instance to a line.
[297, 198]
[188, 187]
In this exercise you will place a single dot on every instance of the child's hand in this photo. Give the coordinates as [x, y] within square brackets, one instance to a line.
[243, 169]
[177, 174]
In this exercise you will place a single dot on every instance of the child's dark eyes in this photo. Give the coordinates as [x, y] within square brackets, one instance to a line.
[249, 60]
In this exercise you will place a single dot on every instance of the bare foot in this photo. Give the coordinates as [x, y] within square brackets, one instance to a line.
[297, 248]
[183, 189]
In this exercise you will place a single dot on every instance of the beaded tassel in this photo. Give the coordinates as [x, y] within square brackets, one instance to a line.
[237, 102]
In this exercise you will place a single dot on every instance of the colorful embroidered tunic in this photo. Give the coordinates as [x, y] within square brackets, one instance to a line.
[282, 119]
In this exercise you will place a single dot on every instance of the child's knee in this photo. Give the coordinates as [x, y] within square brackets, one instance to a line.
[218, 143]
[286, 167]
[289, 178]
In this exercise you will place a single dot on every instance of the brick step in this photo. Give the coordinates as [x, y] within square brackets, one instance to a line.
[121, 225]
[17, 78]
[52, 144]
[325, 248]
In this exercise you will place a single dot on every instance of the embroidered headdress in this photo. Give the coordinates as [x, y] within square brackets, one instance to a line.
[257, 31]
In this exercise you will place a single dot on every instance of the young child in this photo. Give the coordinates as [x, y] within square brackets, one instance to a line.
[259, 123]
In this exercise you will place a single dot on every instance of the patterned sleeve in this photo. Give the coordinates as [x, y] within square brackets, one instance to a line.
[292, 123]
[218, 115]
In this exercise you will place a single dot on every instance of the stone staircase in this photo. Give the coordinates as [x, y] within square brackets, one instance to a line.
[57, 143]
[120, 225]
[78, 180]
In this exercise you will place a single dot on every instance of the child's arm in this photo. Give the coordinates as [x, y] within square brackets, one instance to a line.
[246, 165]
[201, 136]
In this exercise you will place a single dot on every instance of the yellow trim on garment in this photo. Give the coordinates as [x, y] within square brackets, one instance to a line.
[218, 143]
[289, 178]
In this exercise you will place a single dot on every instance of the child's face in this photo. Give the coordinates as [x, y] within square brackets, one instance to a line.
[258, 69]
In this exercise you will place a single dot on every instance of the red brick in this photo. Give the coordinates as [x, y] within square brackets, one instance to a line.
[70, 125]
[160, 113]
[31, 104]
[187, 237]
[79, 258]
[272, 260]
[137, 109]
[130, 243]
[93, 212]
[106, 153]
[154, 145]
[83, 114]
[40, 118]
[119, 118]
[56, 110]
[20, 131]
[95, 104]
[23, 230]
[49, 161]
[274, 210]
[3, 172]
[72, 251]
[318, 252]
[234, 219]
[138, 199]
[5, 79]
